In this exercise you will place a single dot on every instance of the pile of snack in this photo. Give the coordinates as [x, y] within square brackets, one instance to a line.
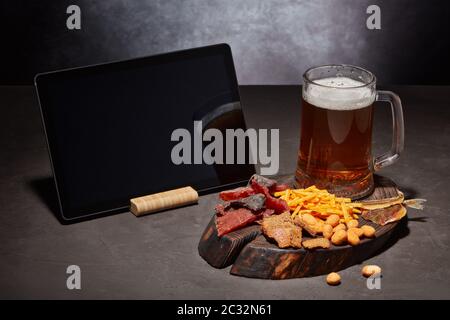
[304, 218]
[325, 217]
[245, 205]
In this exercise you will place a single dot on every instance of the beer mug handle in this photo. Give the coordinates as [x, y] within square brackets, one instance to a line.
[390, 157]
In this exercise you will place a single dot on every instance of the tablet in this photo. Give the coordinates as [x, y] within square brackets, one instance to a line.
[109, 127]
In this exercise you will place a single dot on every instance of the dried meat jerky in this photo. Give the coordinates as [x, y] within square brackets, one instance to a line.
[237, 193]
[254, 202]
[233, 220]
[279, 187]
[266, 213]
[268, 183]
[279, 205]
[255, 199]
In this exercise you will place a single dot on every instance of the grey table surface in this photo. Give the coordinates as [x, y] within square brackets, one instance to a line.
[155, 257]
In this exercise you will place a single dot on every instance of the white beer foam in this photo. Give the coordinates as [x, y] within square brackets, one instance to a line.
[334, 98]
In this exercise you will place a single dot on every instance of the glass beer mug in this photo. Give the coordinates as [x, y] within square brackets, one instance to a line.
[336, 130]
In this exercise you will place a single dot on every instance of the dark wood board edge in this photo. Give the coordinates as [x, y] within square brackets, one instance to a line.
[264, 260]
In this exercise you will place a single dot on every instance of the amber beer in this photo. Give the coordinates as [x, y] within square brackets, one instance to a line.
[335, 146]
[336, 130]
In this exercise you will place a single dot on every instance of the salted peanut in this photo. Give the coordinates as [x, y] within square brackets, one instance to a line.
[333, 220]
[320, 221]
[339, 237]
[327, 231]
[309, 219]
[370, 270]
[352, 237]
[340, 226]
[309, 223]
[352, 223]
[316, 243]
[333, 279]
[358, 231]
[320, 224]
[368, 231]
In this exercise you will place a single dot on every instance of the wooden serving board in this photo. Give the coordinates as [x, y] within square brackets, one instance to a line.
[252, 255]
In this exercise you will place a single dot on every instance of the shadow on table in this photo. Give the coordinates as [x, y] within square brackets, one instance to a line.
[45, 189]
[409, 193]
[399, 232]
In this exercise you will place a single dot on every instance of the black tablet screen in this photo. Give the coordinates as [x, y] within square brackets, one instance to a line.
[109, 126]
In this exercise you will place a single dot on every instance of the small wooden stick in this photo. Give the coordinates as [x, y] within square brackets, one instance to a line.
[163, 200]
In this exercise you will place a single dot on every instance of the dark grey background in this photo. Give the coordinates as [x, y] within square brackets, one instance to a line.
[273, 41]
